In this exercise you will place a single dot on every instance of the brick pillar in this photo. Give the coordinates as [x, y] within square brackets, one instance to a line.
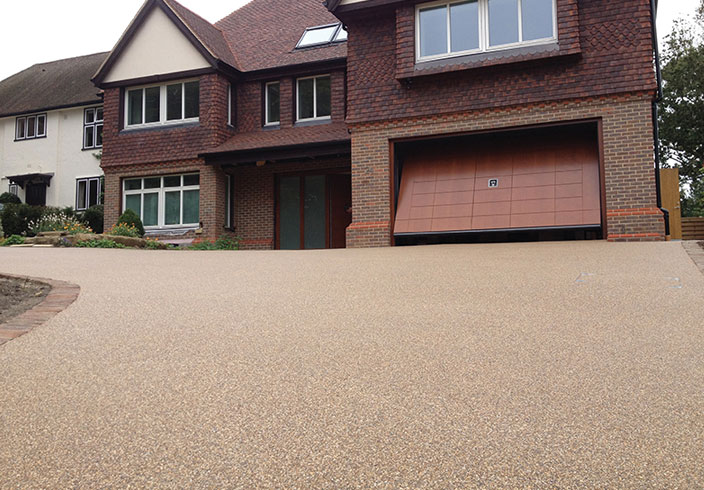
[111, 198]
[213, 196]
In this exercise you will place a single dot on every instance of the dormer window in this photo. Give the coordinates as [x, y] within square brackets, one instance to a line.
[157, 105]
[321, 35]
[454, 28]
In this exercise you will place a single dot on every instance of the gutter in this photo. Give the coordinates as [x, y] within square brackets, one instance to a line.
[656, 125]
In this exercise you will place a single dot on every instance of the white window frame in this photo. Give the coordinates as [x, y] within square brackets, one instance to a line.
[14, 189]
[162, 105]
[267, 122]
[162, 191]
[26, 119]
[484, 39]
[93, 126]
[230, 122]
[87, 181]
[315, 99]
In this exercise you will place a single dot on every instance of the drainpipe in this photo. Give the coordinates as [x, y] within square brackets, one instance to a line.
[656, 125]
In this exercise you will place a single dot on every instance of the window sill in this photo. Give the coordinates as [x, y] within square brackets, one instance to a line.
[95, 148]
[160, 127]
[486, 59]
[30, 139]
[170, 230]
[271, 127]
[313, 122]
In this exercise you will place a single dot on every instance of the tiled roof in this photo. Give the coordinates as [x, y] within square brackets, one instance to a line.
[210, 36]
[283, 138]
[62, 83]
[264, 33]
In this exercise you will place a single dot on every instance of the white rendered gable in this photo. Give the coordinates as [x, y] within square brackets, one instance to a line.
[157, 48]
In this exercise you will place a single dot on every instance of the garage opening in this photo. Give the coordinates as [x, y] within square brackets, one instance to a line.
[519, 185]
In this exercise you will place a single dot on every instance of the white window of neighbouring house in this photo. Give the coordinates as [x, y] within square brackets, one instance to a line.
[322, 35]
[30, 127]
[446, 29]
[164, 202]
[313, 98]
[88, 192]
[171, 103]
[272, 103]
[93, 128]
[14, 189]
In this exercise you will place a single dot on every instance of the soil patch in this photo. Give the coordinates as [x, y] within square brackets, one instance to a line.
[19, 295]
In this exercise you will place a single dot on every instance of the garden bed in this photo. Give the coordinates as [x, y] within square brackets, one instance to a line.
[19, 295]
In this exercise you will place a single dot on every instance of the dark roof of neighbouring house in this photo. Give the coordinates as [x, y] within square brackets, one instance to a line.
[53, 85]
[284, 138]
[264, 33]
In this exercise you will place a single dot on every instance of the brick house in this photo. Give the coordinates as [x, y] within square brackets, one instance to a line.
[435, 121]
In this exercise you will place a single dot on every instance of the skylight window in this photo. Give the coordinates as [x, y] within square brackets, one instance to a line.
[318, 36]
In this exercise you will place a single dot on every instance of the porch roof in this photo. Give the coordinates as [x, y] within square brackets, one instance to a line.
[22, 180]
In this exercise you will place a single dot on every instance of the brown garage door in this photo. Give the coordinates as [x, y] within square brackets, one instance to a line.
[546, 179]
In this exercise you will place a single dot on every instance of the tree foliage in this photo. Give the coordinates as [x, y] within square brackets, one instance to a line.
[682, 108]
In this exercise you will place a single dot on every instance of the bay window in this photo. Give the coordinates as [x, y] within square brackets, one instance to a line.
[455, 28]
[162, 104]
[171, 201]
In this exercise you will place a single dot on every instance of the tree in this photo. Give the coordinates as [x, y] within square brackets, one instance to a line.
[682, 108]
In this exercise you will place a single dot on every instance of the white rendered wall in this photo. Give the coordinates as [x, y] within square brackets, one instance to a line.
[157, 48]
[60, 153]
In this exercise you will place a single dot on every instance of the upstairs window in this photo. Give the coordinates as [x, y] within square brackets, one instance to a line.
[313, 98]
[231, 106]
[445, 29]
[163, 104]
[322, 35]
[272, 103]
[93, 128]
[30, 127]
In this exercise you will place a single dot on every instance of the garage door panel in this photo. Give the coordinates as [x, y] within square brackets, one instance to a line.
[544, 179]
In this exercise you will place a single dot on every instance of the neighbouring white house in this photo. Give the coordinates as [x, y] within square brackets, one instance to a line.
[51, 130]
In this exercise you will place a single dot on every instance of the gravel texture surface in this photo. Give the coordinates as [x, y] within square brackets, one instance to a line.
[568, 365]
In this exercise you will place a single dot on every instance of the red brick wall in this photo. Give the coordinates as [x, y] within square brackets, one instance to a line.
[615, 57]
[255, 198]
[628, 161]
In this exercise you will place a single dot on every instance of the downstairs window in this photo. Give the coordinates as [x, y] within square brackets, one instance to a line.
[164, 202]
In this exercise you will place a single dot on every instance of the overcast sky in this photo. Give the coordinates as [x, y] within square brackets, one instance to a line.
[36, 31]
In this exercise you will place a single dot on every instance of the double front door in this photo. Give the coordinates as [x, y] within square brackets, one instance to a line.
[313, 211]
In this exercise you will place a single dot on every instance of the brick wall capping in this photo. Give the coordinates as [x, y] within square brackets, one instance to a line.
[535, 54]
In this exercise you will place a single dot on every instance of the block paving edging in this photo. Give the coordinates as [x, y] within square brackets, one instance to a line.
[61, 296]
[696, 253]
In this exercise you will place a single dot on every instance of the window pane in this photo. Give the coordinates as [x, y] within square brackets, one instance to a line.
[99, 135]
[433, 31]
[172, 206]
[173, 181]
[153, 183]
[503, 22]
[191, 207]
[151, 109]
[314, 212]
[191, 179]
[174, 102]
[41, 125]
[151, 209]
[81, 197]
[133, 184]
[290, 213]
[273, 101]
[134, 107]
[98, 114]
[537, 19]
[317, 36]
[21, 128]
[88, 140]
[305, 98]
[341, 35]
[31, 122]
[90, 116]
[464, 26]
[93, 192]
[192, 99]
[134, 202]
[323, 96]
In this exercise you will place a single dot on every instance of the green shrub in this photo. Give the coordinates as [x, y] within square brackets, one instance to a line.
[13, 240]
[93, 217]
[7, 198]
[15, 218]
[102, 243]
[152, 244]
[123, 229]
[130, 218]
[222, 243]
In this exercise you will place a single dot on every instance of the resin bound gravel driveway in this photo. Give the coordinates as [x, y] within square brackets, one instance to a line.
[513, 365]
